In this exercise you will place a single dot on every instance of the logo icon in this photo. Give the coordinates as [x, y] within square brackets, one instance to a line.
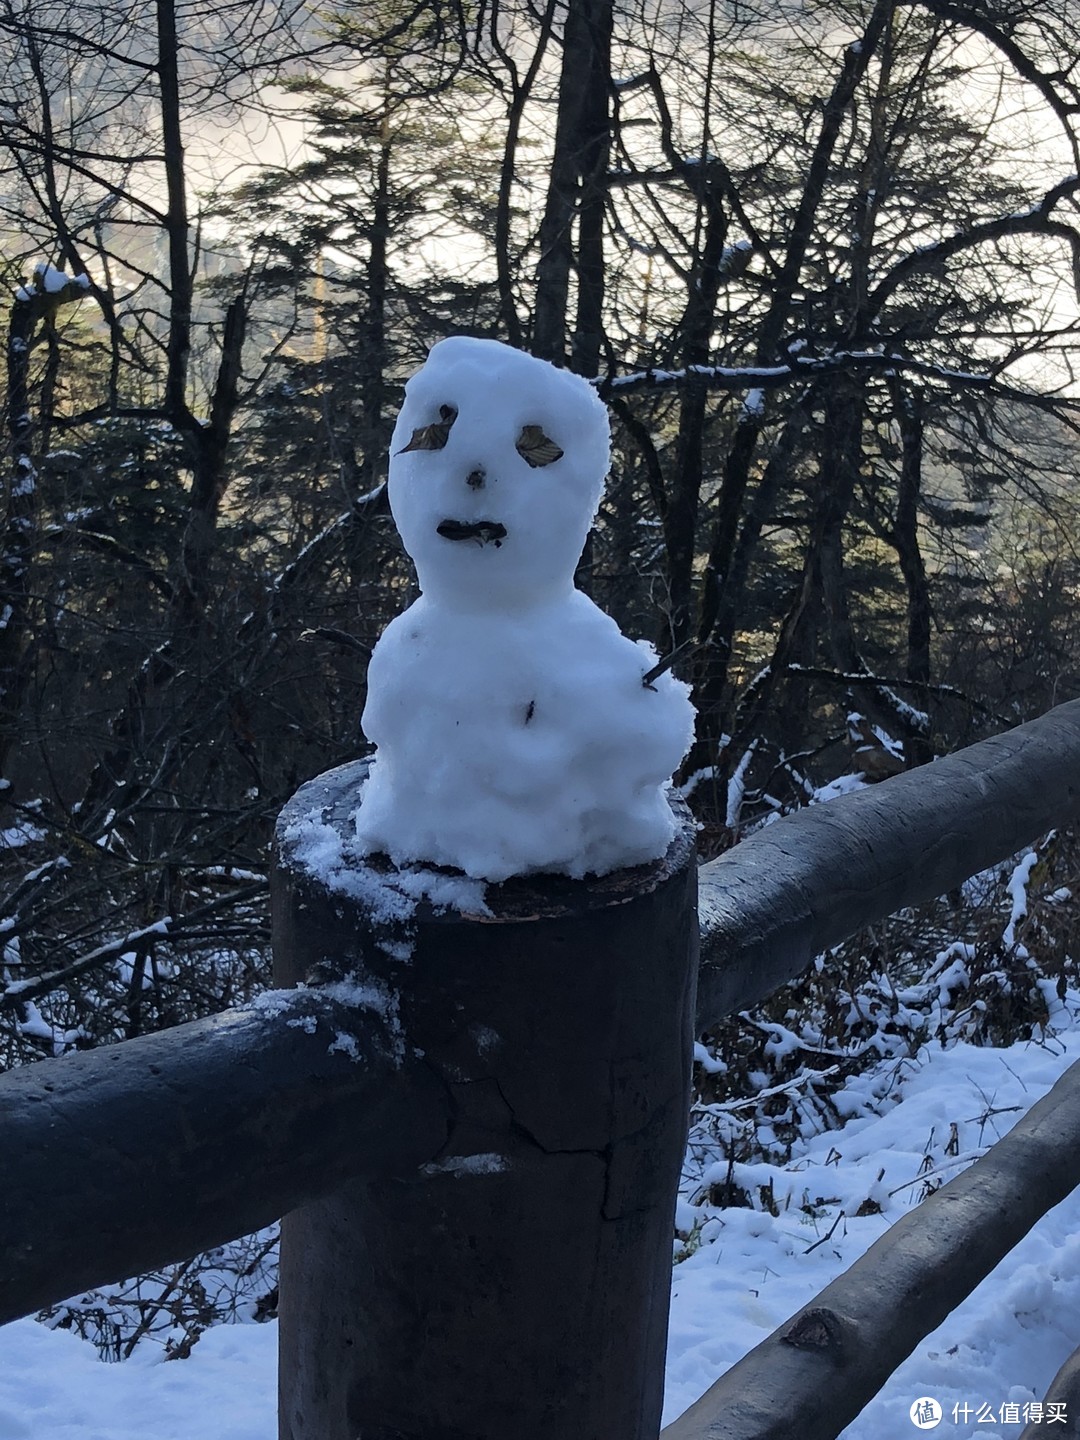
[925, 1413]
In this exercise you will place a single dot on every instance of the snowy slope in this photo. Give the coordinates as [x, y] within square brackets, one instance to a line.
[1002, 1345]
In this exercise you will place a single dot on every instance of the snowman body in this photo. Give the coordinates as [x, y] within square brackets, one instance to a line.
[513, 729]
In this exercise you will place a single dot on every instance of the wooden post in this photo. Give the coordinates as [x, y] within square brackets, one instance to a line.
[516, 1288]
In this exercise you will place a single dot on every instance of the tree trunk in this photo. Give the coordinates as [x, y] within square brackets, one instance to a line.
[841, 463]
[681, 515]
[723, 602]
[181, 289]
[857, 58]
[584, 91]
[33, 307]
[909, 553]
[374, 347]
[210, 476]
[594, 148]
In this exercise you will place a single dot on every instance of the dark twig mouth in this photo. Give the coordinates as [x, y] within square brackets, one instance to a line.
[481, 530]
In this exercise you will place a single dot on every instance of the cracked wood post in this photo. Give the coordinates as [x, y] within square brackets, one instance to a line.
[518, 1285]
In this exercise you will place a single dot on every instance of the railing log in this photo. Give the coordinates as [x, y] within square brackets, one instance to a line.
[803, 884]
[119, 1160]
[1064, 1391]
[813, 1375]
[519, 1285]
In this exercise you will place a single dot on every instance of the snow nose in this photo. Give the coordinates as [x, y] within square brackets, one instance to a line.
[475, 479]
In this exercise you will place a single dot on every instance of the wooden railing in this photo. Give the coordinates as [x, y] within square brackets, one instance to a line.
[477, 1150]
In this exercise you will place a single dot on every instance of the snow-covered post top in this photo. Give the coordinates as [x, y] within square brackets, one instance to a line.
[514, 730]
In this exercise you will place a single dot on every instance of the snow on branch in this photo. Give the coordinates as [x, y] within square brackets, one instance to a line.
[894, 682]
[799, 368]
[51, 288]
[19, 992]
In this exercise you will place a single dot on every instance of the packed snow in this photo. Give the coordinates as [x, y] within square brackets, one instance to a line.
[740, 1274]
[514, 728]
[389, 899]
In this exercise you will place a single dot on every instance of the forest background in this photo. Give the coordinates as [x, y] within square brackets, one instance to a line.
[822, 260]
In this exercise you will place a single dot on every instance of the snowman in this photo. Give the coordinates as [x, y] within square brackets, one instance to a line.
[514, 728]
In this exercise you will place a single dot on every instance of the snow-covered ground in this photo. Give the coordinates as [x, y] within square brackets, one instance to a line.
[1002, 1346]
[749, 1271]
[53, 1385]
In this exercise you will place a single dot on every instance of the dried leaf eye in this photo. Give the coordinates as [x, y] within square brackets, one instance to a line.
[432, 437]
[535, 448]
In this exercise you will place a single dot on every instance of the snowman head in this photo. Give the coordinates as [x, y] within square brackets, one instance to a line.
[497, 465]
